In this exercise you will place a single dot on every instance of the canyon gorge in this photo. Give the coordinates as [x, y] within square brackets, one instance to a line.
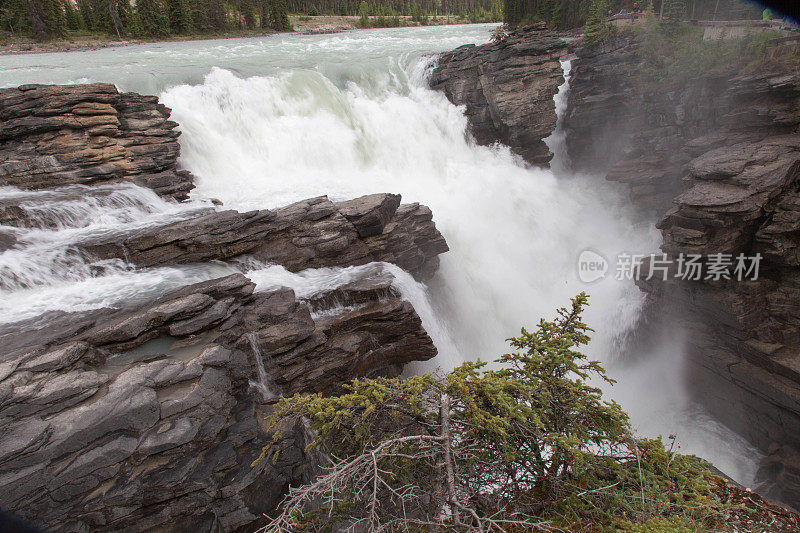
[172, 264]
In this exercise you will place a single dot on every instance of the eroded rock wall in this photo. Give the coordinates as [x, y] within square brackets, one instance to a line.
[507, 89]
[715, 158]
[646, 134]
[148, 417]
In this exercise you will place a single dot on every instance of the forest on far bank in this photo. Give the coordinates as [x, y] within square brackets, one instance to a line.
[568, 14]
[46, 20]
[58, 19]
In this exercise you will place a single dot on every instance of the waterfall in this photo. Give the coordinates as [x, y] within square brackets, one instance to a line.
[556, 140]
[291, 117]
[263, 385]
[515, 232]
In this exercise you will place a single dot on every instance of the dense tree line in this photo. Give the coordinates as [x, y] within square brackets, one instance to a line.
[393, 7]
[49, 19]
[565, 14]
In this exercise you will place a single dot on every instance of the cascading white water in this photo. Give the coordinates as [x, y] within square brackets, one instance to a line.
[269, 121]
[515, 233]
[97, 207]
[314, 281]
[262, 386]
[45, 270]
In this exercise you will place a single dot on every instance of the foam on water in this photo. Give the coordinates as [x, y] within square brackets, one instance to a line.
[45, 268]
[124, 286]
[81, 206]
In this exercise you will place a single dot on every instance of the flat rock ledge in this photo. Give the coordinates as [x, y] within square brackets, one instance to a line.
[307, 234]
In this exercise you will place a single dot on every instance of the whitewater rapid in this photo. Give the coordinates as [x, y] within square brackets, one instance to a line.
[266, 122]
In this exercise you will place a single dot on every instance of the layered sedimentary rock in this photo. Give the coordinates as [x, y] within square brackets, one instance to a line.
[645, 134]
[55, 135]
[307, 234]
[507, 89]
[148, 415]
[716, 158]
[103, 431]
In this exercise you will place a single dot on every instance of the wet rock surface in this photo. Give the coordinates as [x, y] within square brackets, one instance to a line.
[148, 415]
[507, 88]
[646, 134]
[308, 234]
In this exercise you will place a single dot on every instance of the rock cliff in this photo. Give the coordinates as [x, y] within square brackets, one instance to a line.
[507, 89]
[716, 159]
[148, 415]
[645, 134]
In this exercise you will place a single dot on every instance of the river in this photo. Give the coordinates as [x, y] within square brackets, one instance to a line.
[268, 121]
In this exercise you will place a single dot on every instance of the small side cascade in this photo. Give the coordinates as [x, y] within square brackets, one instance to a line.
[263, 385]
[556, 142]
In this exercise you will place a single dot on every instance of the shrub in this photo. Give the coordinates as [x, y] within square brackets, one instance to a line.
[529, 444]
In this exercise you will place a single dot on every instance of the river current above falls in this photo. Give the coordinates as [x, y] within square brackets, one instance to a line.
[268, 121]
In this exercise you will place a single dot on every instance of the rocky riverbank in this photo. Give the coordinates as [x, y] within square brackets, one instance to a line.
[148, 414]
[715, 159]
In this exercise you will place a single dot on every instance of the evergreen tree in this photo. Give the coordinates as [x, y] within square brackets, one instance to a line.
[47, 19]
[598, 30]
[514, 11]
[249, 14]
[217, 18]
[363, 12]
[85, 12]
[199, 16]
[278, 16]
[180, 16]
[527, 446]
[119, 13]
[263, 14]
[107, 16]
[674, 10]
[152, 18]
[72, 17]
[14, 16]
